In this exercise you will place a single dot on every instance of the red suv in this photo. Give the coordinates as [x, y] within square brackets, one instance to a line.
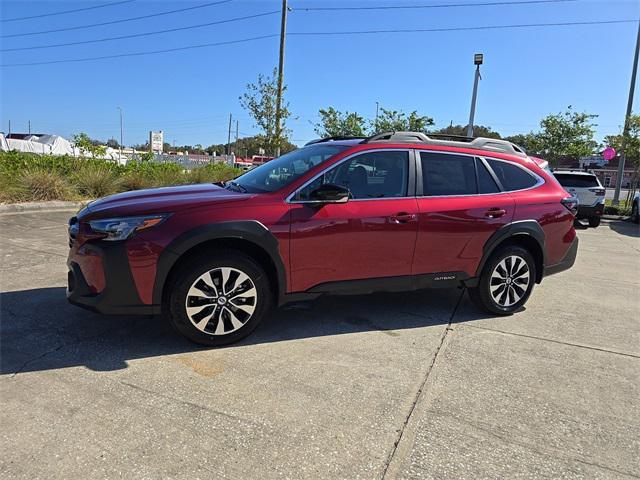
[396, 211]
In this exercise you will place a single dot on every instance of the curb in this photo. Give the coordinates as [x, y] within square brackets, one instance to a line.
[40, 206]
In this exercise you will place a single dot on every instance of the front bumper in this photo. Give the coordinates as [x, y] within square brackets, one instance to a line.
[119, 295]
[587, 211]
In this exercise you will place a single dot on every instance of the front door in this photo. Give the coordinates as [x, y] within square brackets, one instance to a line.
[371, 236]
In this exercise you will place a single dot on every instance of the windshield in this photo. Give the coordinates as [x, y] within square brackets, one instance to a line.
[283, 170]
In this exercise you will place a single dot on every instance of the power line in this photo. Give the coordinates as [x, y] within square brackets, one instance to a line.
[136, 54]
[64, 12]
[362, 32]
[112, 22]
[145, 34]
[445, 5]
[461, 29]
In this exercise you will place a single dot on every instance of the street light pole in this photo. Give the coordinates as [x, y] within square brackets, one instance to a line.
[625, 131]
[120, 157]
[376, 124]
[477, 60]
[283, 34]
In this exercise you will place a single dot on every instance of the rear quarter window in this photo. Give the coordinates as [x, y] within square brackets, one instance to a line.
[577, 181]
[512, 176]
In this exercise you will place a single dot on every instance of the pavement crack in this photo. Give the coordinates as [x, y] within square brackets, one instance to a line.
[569, 344]
[421, 388]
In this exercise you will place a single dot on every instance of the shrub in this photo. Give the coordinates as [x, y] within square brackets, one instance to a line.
[33, 185]
[621, 210]
[95, 180]
[217, 172]
[134, 181]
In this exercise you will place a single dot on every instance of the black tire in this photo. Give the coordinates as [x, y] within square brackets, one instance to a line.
[594, 221]
[482, 296]
[224, 317]
[635, 214]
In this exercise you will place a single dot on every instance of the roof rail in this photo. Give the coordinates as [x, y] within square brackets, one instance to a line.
[333, 138]
[480, 143]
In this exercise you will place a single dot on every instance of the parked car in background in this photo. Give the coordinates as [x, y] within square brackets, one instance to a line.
[392, 212]
[588, 189]
[635, 208]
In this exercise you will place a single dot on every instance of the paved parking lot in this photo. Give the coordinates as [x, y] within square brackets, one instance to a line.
[418, 385]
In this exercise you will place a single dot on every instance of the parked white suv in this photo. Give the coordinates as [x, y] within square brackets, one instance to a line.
[588, 189]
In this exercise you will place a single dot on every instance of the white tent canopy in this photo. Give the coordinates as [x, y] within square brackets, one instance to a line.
[49, 145]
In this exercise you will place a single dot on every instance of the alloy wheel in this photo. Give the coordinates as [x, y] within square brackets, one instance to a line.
[509, 280]
[221, 301]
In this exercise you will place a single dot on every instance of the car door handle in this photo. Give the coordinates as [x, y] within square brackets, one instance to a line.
[403, 217]
[495, 212]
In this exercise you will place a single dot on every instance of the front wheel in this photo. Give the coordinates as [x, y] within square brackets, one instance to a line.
[218, 299]
[594, 222]
[506, 281]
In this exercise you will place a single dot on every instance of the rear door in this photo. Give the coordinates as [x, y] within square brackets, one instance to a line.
[460, 206]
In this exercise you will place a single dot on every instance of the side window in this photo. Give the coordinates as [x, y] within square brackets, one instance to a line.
[486, 183]
[444, 174]
[511, 176]
[370, 175]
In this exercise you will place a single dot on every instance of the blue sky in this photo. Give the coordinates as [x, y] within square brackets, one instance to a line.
[528, 73]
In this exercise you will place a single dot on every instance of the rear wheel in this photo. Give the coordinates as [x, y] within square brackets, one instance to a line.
[220, 299]
[506, 281]
[594, 221]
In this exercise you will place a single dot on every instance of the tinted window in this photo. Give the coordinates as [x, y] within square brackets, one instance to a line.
[283, 170]
[444, 174]
[486, 183]
[511, 176]
[577, 181]
[370, 175]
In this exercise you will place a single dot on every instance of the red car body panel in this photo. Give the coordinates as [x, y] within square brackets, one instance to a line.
[360, 239]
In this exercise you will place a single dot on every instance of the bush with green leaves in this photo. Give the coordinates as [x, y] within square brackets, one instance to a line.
[28, 177]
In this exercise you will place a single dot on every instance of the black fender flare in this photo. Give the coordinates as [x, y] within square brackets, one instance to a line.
[522, 227]
[249, 230]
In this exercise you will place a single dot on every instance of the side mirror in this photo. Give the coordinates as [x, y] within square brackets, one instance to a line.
[329, 193]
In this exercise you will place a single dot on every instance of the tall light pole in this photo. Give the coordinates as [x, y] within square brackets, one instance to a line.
[283, 34]
[377, 108]
[625, 131]
[477, 60]
[120, 157]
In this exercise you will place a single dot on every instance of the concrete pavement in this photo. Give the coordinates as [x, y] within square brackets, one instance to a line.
[417, 385]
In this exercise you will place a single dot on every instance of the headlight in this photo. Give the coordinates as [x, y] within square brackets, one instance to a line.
[122, 228]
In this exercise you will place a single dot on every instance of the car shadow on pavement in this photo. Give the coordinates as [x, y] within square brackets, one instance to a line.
[40, 330]
[625, 227]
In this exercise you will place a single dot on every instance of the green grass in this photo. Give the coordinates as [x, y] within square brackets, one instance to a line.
[28, 177]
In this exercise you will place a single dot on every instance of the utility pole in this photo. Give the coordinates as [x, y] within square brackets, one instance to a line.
[120, 157]
[625, 131]
[29, 122]
[477, 60]
[376, 124]
[229, 136]
[237, 127]
[9, 129]
[283, 34]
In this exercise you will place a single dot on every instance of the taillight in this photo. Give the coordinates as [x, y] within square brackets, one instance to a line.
[571, 204]
[598, 191]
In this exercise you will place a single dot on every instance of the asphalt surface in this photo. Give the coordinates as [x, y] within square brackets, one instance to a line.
[418, 385]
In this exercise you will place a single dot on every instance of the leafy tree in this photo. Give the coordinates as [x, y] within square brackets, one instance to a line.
[478, 131]
[335, 123]
[113, 143]
[394, 121]
[260, 101]
[567, 134]
[529, 141]
[89, 146]
[629, 146]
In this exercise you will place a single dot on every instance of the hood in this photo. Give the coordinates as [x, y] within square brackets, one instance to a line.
[161, 200]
